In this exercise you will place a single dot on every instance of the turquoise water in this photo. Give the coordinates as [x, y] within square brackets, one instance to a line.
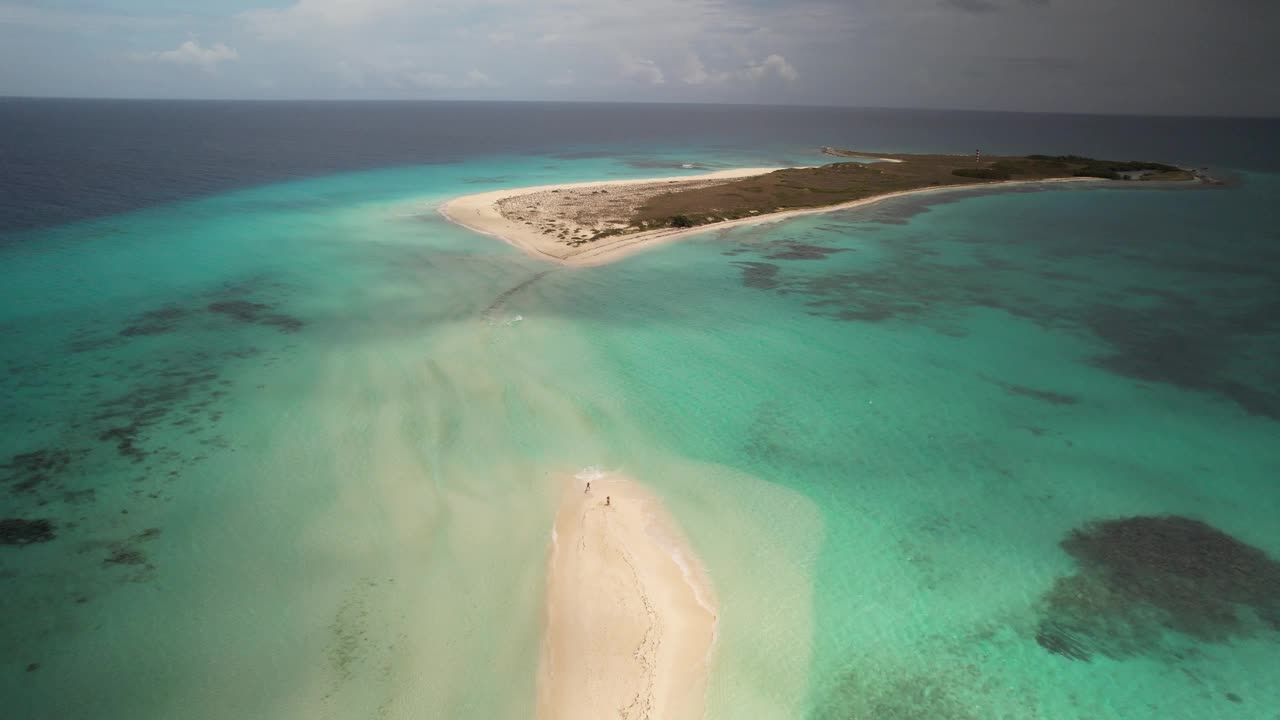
[299, 445]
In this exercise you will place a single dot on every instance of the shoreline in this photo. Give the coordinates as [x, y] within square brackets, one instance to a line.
[630, 616]
[479, 213]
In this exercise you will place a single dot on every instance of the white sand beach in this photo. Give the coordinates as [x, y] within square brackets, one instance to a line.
[631, 620]
[521, 216]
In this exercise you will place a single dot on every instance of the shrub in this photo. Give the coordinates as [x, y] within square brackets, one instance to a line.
[682, 221]
[981, 173]
[1098, 172]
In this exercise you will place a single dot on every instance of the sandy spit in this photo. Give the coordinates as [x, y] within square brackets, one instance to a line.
[631, 619]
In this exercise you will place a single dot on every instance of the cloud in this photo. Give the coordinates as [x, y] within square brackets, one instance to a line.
[320, 15]
[192, 53]
[1039, 63]
[987, 6]
[695, 73]
[564, 79]
[477, 79]
[773, 66]
[642, 70]
[1079, 56]
[408, 74]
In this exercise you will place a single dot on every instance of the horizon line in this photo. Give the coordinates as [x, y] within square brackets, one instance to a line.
[373, 101]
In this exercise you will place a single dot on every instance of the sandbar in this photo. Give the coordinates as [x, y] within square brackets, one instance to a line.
[631, 619]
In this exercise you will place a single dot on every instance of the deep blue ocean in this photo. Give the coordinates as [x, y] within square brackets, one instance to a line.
[274, 435]
[66, 160]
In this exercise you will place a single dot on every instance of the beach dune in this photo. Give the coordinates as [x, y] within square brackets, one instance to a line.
[631, 621]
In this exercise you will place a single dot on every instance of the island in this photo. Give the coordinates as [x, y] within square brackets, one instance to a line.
[597, 222]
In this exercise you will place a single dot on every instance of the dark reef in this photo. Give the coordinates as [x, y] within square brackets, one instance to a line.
[156, 322]
[1143, 577]
[802, 251]
[251, 312]
[29, 471]
[875, 692]
[20, 532]
[762, 276]
[1060, 640]
[1198, 322]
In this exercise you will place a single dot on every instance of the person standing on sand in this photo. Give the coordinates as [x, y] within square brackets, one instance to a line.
[584, 492]
[606, 501]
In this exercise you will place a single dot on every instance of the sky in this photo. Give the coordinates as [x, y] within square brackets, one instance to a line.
[1176, 57]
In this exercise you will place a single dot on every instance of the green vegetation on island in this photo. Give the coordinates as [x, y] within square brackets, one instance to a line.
[881, 174]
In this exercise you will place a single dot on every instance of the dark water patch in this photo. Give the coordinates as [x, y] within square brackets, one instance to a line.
[185, 389]
[125, 556]
[1048, 396]
[771, 435]
[873, 314]
[128, 553]
[85, 342]
[171, 318]
[1060, 640]
[1141, 578]
[245, 311]
[1214, 336]
[130, 415]
[483, 180]
[801, 251]
[283, 323]
[79, 497]
[511, 292]
[876, 692]
[125, 438]
[23, 532]
[1257, 264]
[762, 276]
[993, 262]
[1188, 347]
[1168, 295]
[1232, 697]
[1058, 275]
[863, 296]
[31, 471]
[156, 322]
[240, 310]
[242, 353]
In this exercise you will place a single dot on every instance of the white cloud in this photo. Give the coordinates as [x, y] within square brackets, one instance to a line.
[563, 79]
[405, 72]
[315, 15]
[429, 80]
[773, 66]
[192, 53]
[477, 79]
[726, 47]
[642, 70]
[695, 72]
